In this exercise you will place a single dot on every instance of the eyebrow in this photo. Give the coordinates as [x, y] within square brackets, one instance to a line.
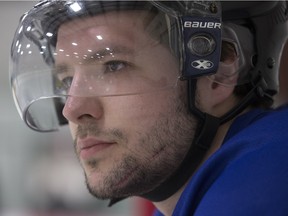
[109, 51]
[96, 55]
[60, 68]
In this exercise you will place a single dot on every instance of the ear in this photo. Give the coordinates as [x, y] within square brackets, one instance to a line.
[214, 98]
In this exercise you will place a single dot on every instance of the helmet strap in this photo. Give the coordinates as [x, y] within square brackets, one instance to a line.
[192, 160]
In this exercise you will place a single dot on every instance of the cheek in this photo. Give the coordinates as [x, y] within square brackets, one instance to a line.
[136, 116]
[137, 110]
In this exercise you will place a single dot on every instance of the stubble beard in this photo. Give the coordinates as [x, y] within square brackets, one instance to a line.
[165, 145]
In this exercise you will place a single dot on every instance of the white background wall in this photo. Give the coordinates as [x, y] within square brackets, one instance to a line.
[38, 172]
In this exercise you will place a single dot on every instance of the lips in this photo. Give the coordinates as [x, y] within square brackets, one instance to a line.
[91, 147]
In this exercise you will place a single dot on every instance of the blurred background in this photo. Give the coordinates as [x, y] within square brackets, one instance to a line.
[39, 173]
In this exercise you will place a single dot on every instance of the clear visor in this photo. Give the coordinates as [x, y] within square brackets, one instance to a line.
[123, 52]
[104, 49]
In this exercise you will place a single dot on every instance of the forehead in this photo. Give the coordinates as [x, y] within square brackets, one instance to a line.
[105, 26]
[129, 32]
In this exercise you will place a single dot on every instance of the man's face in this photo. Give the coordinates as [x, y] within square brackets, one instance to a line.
[129, 143]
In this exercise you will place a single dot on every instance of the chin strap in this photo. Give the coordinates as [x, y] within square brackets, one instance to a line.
[192, 160]
[206, 131]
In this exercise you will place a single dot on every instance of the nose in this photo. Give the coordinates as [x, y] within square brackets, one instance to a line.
[79, 108]
[82, 109]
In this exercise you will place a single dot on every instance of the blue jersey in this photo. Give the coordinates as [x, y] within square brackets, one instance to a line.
[248, 175]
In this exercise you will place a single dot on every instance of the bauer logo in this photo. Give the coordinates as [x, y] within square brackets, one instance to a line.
[196, 24]
[202, 64]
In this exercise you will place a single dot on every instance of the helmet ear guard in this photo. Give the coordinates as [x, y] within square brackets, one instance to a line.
[268, 23]
[274, 27]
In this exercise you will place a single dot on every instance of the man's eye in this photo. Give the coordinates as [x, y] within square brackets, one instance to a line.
[67, 81]
[113, 66]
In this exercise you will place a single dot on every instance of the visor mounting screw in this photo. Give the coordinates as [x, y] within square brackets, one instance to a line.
[213, 8]
[270, 62]
[201, 44]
